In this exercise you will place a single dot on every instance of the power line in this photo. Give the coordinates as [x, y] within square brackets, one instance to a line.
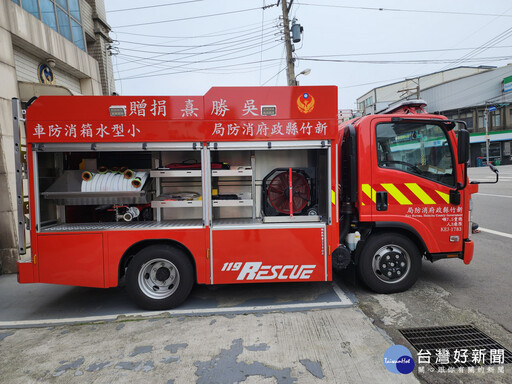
[196, 54]
[232, 50]
[193, 54]
[489, 44]
[277, 74]
[405, 10]
[188, 18]
[212, 60]
[229, 69]
[194, 70]
[222, 55]
[213, 34]
[224, 42]
[153, 6]
[425, 61]
[402, 52]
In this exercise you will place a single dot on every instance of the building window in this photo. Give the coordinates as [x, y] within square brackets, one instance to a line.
[481, 124]
[60, 15]
[31, 7]
[64, 27]
[74, 9]
[495, 119]
[467, 117]
[48, 13]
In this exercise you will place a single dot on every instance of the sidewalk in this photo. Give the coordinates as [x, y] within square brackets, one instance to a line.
[328, 345]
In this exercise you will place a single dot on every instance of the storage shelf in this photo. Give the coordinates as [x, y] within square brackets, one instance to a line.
[231, 172]
[232, 203]
[175, 173]
[176, 204]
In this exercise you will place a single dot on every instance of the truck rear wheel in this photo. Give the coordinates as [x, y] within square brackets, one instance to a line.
[389, 263]
[159, 277]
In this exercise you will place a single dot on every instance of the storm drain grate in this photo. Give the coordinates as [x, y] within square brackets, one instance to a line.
[456, 346]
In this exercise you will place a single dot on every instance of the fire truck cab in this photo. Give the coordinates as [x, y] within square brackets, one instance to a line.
[241, 185]
[404, 195]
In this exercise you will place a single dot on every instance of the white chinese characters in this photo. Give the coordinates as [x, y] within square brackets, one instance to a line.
[85, 131]
[267, 129]
[157, 108]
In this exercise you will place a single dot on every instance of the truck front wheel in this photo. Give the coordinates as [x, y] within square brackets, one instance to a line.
[389, 263]
[159, 277]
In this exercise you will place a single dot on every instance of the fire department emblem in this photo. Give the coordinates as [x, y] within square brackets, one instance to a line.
[45, 74]
[306, 103]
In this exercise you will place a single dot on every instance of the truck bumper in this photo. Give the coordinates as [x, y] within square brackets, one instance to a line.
[469, 247]
[25, 272]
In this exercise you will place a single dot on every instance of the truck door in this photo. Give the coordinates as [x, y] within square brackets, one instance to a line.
[413, 171]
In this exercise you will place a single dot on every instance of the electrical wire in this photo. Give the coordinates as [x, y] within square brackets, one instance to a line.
[488, 44]
[405, 10]
[193, 70]
[401, 52]
[211, 59]
[213, 34]
[161, 64]
[153, 6]
[175, 67]
[195, 54]
[225, 49]
[225, 42]
[277, 74]
[423, 61]
[187, 18]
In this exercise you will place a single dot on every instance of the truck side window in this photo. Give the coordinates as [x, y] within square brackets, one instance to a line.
[417, 148]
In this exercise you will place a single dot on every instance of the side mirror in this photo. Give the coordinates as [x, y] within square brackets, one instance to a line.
[463, 146]
[494, 169]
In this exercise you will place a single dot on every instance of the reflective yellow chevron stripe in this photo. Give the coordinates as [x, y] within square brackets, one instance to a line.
[369, 191]
[395, 192]
[420, 193]
[445, 196]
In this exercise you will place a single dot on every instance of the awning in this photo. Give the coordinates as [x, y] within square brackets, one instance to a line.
[29, 90]
[504, 136]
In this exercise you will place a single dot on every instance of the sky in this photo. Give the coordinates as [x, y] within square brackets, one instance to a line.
[178, 47]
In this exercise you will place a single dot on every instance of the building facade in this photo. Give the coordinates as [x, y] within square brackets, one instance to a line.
[480, 100]
[380, 98]
[47, 47]
[483, 99]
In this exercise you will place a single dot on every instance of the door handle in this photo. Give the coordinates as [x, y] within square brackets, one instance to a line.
[382, 201]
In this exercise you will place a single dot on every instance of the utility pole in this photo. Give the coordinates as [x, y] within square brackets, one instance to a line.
[416, 88]
[487, 138]
[290, 72]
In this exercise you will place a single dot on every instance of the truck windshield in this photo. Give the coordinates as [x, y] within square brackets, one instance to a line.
[417, 148]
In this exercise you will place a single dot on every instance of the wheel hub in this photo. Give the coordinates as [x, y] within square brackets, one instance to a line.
[158, 278]
[162, 274]
[391, 263]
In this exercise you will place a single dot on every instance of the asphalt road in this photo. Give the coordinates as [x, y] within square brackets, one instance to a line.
[451, 293]
[484, 285]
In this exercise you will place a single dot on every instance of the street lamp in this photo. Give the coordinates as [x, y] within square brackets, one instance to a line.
[305, 72]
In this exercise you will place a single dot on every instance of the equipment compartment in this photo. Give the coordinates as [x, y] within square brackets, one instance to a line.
[85, 187]
[245, 187]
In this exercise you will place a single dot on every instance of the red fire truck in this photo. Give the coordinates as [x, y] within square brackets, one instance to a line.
[241, 185]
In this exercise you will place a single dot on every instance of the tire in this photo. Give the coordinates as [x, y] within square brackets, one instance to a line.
[159, 277]
[389, 263]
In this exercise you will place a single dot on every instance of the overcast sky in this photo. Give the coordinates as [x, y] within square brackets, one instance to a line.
[179, 47]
